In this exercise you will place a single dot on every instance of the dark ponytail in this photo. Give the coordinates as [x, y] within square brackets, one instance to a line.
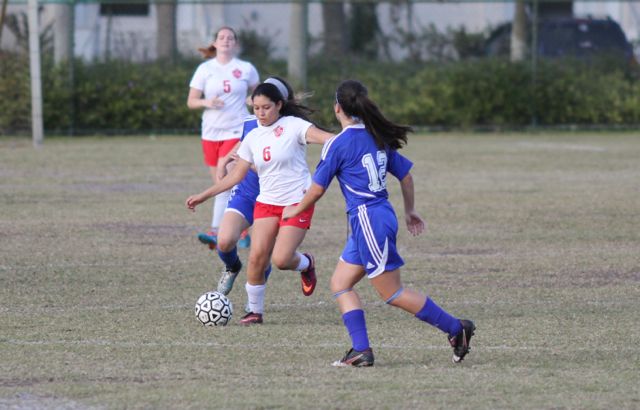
[290, 107]
[354, 99]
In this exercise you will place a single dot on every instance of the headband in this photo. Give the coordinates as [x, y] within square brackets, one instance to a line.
[279, 85]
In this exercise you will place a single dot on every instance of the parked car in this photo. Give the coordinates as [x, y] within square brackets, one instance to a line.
[574, 37]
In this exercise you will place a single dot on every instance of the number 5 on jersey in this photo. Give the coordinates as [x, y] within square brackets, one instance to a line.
[226, 86]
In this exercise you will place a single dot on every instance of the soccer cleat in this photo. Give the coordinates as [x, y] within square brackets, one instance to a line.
[225, 284]
[460, 342]
[251, 319]
[355, 358]
[209, 238]
[308, 277]
[245, 240]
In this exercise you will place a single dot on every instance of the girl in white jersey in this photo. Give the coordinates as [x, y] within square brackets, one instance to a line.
[277, 149]
[220, 87]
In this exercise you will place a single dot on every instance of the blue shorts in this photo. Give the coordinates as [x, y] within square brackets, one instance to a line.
[241, 203]
[372, 242]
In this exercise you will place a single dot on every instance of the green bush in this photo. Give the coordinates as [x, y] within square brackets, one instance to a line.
[118, 97]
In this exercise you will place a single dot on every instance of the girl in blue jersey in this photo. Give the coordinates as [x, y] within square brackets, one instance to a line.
[238, 216]
[360, 157]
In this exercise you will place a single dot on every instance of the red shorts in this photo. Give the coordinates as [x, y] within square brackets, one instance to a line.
[303, 220]
[214, 150]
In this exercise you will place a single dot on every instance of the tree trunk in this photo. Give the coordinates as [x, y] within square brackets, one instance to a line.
[63, 32]
[297, 60]
[166, 38]
[335, 33]
[519, 32]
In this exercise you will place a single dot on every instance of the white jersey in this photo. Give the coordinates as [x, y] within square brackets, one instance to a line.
[279, 153]
[229, 82]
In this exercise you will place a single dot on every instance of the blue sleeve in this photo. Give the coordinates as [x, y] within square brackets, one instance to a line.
[248, 125]
[397, 164]
[329, 165]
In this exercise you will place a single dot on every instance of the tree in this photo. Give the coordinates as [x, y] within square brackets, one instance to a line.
[364, 30]
[166, 21]
[519, 32]
[335, 33]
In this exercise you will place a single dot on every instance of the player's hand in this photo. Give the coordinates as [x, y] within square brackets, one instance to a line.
[415, 224]
[289, 212]
[193, 201]
[214, 103]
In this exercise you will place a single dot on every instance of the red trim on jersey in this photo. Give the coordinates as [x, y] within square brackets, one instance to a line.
[269, 211]
[214, 150]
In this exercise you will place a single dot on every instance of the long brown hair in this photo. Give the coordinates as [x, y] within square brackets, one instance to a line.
[353, 97]
[210, 52]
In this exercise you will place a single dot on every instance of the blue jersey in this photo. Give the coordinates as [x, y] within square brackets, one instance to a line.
[360, 166]
[250, 185]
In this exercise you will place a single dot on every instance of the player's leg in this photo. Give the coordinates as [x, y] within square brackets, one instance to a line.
[390, 288]
[285, 253]
[231, 226]
[210, 156]
[375, 230]
[219, 205]
[344, 278]
[265, 230]
[213, 151]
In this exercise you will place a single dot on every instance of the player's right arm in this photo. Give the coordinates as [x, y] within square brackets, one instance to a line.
[313, 194]
[233, 178]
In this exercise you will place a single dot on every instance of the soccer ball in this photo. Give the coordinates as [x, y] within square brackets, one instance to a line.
[214, 309]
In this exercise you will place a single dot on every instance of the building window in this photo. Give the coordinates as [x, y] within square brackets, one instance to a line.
[124, 9]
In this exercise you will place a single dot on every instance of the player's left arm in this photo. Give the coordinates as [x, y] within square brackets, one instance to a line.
[315, 135]
[313, 194]
[415, 223]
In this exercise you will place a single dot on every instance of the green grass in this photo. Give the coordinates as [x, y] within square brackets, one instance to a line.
[534, 237]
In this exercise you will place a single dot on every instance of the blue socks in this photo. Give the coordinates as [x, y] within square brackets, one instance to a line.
[355, 324]
[231, 259]
[232, 262]
[267, 273]
[436, 316]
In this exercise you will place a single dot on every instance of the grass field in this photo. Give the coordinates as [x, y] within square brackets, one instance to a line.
[534, 237]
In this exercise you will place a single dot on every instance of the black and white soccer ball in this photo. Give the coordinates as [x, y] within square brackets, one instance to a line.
[214, 309]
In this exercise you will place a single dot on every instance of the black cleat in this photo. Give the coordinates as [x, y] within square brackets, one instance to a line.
[460, 342]
[355, 358]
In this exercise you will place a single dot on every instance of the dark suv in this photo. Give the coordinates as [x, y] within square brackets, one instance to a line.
[573, 37]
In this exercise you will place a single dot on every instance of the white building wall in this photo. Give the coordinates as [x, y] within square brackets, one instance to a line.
[134, 37]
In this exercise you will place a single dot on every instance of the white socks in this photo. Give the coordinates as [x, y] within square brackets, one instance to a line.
[304, 262]
[219, 205]
[255, 293]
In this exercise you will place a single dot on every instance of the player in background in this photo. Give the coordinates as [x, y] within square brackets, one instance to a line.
[277, 149]
[220, 87]
[238, 216]
[360, 157]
